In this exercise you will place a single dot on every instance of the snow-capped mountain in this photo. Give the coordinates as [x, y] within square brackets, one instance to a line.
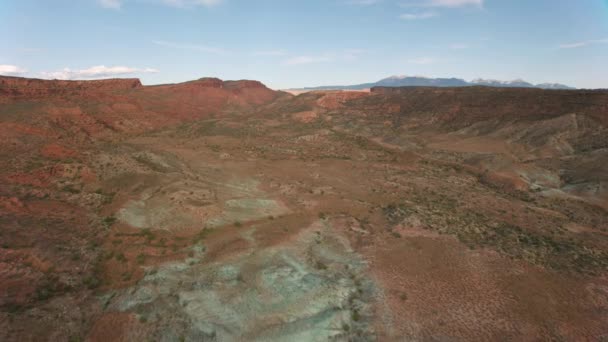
[421, 81]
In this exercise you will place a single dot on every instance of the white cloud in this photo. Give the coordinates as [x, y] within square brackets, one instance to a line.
[418, 16]
[455, 3]
[443, 3]
[112, 4]
[270, 53]
[188, 3]
[11, 70]
[422, 60]
[100, 71]
[117, 4]
[426, 9]
[363, 2]
[188, 46]
[583, 43]
[299, 60]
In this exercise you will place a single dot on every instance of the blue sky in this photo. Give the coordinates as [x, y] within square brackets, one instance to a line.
[294, 43]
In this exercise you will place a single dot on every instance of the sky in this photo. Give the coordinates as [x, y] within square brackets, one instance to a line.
[296, 43]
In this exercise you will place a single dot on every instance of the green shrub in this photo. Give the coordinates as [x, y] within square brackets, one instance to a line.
[109, 221]
[121, 257]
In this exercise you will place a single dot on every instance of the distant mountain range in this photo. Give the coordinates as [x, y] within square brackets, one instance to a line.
[419, 81]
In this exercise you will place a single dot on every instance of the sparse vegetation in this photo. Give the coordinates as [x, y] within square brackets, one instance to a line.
[321, 265]
[476, 230]
[108, 221]
[127, 276]
[108, 198]
[121, 257]
[202, 235]
[70, 189]
[91, 281]
[148, 235]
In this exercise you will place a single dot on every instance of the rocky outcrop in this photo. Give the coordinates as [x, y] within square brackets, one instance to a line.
[244, 84]
[211, 82]
[206, 82]
[211, 94]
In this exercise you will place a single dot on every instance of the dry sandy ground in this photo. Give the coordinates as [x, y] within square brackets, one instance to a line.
[303, 244]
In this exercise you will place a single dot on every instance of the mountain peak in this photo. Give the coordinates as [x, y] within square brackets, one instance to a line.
[423, 81]
[402, 77]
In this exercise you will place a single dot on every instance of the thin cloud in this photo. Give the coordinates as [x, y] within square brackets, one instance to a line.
[30, 50]
[418, 16]
[190, 3]
[363, 2]
[346, 55]
[100, 71]
[443, 3]
[456, 3]
[426, 9]
[117, 4]
[270, 53]
[193, 47]
[111, 4]
[422, 61]
[352, 54]
[11, 70]
[301, 60]
[583, 43]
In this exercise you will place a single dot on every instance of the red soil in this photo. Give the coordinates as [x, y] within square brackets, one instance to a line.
[56, 151]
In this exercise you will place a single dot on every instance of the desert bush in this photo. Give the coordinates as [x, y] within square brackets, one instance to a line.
[140, 259]
[121, 257]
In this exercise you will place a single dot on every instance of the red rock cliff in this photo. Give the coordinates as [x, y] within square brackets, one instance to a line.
[18, 87]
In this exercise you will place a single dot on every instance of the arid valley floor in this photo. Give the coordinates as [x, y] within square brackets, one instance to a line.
[225, 211]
